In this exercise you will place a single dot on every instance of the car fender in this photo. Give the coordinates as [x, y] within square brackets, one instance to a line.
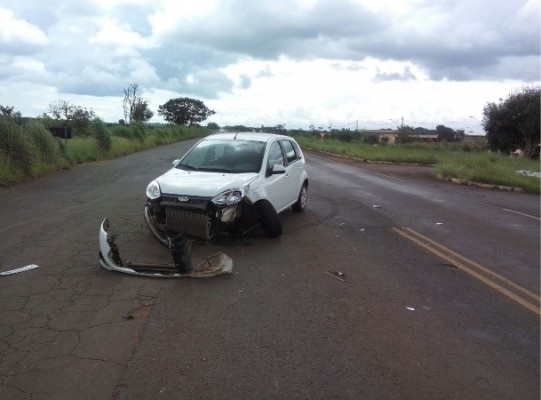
[256, 193]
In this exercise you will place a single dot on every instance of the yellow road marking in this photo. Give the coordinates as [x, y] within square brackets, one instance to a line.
[503, 285]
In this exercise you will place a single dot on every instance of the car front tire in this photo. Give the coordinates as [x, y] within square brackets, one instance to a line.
[270, 222]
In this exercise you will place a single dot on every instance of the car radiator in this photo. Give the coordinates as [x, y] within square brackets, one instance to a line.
[193, 224]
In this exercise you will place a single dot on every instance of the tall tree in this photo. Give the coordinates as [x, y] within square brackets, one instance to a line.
[136, 109]
[514, 123]
[184, 111]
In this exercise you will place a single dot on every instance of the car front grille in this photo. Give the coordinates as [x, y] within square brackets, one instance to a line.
[193, 224]
[199, 203]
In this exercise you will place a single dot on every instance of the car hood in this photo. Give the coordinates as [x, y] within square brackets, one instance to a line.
[200, 183]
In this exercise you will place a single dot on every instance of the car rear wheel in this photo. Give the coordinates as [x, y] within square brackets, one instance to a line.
[302, 201]
[270, 222]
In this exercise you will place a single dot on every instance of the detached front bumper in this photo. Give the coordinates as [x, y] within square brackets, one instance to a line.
[180, 249]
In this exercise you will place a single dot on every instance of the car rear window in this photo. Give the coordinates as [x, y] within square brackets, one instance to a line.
[291, 154]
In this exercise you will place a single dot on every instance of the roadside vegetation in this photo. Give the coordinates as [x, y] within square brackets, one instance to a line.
[28, 149]
[468, 162]
[70, 134]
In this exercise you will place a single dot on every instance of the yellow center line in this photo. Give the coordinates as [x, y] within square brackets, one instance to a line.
[475, 269]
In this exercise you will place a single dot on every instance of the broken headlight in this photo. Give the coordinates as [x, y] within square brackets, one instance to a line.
[229, 197]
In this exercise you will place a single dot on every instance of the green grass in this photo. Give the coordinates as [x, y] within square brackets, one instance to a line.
[30, 151]
[491, 169]
[464, 161]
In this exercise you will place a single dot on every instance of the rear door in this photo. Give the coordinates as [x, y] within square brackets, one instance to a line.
[294, 170]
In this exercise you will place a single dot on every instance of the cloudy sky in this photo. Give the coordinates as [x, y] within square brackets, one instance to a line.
[338, 63]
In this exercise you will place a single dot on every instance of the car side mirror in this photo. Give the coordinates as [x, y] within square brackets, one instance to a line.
[278, 169]
[175, 162]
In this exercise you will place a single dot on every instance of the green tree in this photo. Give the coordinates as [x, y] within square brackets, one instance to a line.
[141, 112]
[449, 134]
[514, 123]
[8, 112]
[406, 134]
[73, 116]
[136, 109]
[185, 111]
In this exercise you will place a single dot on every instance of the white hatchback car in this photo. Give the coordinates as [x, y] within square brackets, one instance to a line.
[228, 184]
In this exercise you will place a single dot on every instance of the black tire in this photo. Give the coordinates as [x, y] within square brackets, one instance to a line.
[270, 222]
[302, 200]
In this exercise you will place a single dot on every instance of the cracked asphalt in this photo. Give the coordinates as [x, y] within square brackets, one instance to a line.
[68, 327]
[404, 325]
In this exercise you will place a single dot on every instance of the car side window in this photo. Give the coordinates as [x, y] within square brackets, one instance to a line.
[291, 154]
[275, 155]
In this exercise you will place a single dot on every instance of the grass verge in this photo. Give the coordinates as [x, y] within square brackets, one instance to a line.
[465, 162]
[30, 150]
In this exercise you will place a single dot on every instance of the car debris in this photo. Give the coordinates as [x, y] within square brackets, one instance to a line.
[336, 275]
[180, 249]
[532, 174]
[17, 270]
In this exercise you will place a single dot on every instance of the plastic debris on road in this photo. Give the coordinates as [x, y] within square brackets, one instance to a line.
[17, 270]
[180, 249]
[339, 276]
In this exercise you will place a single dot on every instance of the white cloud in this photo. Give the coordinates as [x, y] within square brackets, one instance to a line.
[114, 33]
[18, 31]
[298, 62]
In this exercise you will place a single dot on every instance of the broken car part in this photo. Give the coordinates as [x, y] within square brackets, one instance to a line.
[17, 270]
[180, 249]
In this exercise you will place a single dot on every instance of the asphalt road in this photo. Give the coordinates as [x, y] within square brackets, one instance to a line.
[439, 298]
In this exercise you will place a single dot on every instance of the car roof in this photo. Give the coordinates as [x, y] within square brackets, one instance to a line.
[256, 136]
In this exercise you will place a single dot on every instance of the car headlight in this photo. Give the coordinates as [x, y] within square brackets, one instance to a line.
[229, 197]
[153, 190]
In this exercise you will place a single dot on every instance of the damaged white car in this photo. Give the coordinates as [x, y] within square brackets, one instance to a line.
[228, 184]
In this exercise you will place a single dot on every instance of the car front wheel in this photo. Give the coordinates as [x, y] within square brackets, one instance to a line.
[302, 201]
[270, 222]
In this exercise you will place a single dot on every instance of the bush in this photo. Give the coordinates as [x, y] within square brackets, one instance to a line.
[14, 146]
[45, 145]
[102, 135]
[138, 131]
[122, 130]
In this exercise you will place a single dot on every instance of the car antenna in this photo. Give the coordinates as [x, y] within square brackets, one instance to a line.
[235, 138]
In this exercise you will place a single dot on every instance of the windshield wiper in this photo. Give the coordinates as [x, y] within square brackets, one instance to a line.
[187, 167]
[213, 169]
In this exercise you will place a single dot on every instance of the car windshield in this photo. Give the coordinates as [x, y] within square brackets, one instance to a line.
[228, 156]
